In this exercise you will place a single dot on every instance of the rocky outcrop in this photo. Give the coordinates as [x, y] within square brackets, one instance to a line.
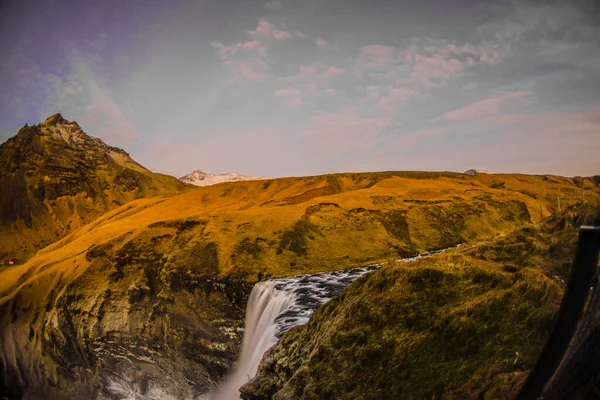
[55, 178]
[122, 322]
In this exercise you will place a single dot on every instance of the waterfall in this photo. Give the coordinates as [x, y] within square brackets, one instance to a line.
[265, 304]
[277, 305]
[274, 307]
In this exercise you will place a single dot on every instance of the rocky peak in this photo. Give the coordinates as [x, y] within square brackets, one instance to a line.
[54, 119]
[62, 129]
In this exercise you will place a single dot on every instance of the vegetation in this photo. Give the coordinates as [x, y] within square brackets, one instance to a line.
[464, 324]
[166, 279]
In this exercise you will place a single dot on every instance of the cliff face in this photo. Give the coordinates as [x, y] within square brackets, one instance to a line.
[54, 178]
[112, 323]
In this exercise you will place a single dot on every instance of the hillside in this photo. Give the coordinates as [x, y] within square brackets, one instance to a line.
[165, 280]
[55, 179]
[465, 324]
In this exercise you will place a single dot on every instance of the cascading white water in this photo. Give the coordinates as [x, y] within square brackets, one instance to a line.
[264, 305]
[274, 307]
[277, 305]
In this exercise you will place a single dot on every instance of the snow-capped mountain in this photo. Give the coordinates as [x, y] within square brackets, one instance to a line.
[200, 178]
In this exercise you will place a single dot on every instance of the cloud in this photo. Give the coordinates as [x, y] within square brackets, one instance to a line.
[304, 72]
[267, 30]
[246, 61]
[274, 5]
[376, 56]
[394, 97]
[435, 64]
[485, 107]
[321, 43]
[431, 71]
[225, 52]
[332, 72]
[292, 97]
[248, 72]
[346, 131]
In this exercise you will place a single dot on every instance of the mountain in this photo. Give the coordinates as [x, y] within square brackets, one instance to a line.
[476, 171]
[149, 299]
[55, 178]
[199, 178]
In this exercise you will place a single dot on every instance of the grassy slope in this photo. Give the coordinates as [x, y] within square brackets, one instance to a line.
[307, 224]
[188, 256]
[464, 324]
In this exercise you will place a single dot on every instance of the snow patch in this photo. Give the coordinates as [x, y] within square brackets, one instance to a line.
[199, 178]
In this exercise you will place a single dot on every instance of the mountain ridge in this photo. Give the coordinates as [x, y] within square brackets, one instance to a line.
[201, 178]
[56, 178]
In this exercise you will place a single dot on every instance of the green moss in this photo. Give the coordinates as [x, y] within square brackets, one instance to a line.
[335, 183]
[395, 224]
[295, 238]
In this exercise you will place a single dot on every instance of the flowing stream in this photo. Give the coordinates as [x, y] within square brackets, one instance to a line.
[277, 305]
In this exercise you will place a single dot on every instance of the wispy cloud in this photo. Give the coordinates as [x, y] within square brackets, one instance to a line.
[321, 43]
[332, 72]
[304, 72]
[247, 62]
[487, 107]
[292, 97]
[395, 96]
[267, 30]
[376, 56]
[225, 52]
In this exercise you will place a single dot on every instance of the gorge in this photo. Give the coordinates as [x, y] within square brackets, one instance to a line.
[145, 296]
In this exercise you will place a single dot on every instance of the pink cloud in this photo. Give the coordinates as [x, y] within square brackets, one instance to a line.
[429, 71]
[321, 43]
[266, 29]
[246, 61]
[248, 72]
[332, 72]
[434, 65]
[291, 96]
[226, 51]
[377, 56]
[330, 92]
[346, 131]
[394, 97]
[304, 72]
[485, 107]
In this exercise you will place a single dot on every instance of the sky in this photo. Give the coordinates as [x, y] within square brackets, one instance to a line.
[303, 87]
